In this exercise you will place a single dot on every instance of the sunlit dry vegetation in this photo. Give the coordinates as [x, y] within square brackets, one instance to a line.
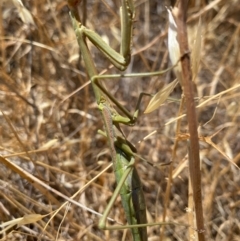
[50, 148]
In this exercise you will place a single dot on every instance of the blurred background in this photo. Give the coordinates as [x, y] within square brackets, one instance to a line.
[49, 119]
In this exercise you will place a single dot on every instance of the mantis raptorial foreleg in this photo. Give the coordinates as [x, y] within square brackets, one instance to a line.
[82, 33]
[119, 60]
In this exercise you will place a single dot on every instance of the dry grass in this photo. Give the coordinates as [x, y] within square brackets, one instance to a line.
[51, 133]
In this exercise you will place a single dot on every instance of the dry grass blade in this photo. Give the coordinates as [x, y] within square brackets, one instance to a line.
[196, 52]
[18, 222]
[208, 140]
[25, 175]
[160, 97]
[41, 186]
[48, 145]
[24, 14]
[173, 46]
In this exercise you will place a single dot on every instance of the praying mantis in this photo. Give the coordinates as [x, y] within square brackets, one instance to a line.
[122, 151]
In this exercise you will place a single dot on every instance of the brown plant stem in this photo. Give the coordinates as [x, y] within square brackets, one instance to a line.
[187, 86]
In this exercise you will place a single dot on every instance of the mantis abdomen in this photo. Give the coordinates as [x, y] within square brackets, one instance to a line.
[131, 194]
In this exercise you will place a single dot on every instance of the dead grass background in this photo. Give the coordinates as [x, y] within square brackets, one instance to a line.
[41, 68]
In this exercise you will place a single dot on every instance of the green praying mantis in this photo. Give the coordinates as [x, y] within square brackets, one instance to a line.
[122, 151]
